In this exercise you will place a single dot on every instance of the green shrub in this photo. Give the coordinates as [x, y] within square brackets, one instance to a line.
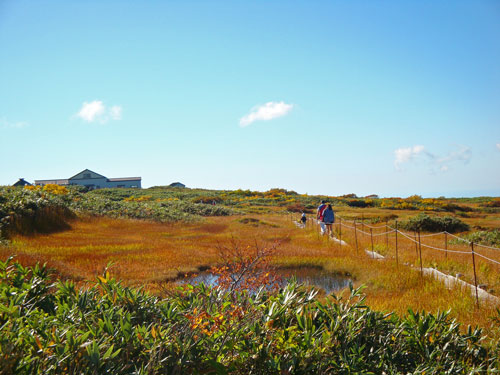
[357, 203]
[483, 237]
[426, 223]
[112, 329]
[27, 212]
[207, 199]
[36, 210]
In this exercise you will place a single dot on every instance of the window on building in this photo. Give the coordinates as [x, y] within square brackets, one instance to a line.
[86, 175]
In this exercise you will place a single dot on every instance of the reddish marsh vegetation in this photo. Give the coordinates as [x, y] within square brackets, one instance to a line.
[149, 253]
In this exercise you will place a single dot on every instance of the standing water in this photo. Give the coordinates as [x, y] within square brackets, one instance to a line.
[308, 276]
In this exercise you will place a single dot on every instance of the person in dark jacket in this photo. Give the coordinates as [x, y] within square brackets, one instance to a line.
[329, 219]
[303, 219]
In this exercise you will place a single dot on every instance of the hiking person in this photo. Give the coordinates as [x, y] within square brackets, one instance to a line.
[329, 219]
[319, 216]
[303, 219]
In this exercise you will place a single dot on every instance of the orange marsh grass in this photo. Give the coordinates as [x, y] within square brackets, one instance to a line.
[148, 253]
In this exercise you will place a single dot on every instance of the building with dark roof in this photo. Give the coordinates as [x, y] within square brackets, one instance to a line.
[22, 182]
[177, 185]
[94, 180]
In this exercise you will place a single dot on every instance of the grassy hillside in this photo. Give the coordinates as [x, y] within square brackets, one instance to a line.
[151, 237]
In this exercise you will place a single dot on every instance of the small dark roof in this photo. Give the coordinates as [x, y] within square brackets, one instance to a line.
[177, 184]
[125, 179]
[21, 182]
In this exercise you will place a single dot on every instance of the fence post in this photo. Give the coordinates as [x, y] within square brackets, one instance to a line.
[356, 236]
[446, 244]
[420, 252]
[397, 262]
[416, 243]
[475, 276]
[362, 222]
[340, 233]
[317, 228]
[386, 234]
[371, 237]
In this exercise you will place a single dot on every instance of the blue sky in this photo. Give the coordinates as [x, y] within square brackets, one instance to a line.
[322, 97]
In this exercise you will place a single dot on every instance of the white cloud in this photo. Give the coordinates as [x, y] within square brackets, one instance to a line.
[463, 154]
[498, 146]
[266, 112]
[96, 111]
[435, 162]
[405, 154]
[4, 123]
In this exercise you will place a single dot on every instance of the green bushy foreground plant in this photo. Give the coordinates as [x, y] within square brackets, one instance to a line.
[426, 223]
[108, 328]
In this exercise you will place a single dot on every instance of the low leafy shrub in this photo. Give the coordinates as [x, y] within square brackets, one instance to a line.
[29, 211]
[492, 203]
[360, 203]
[109, 328]
[37, 209]
[426, 223]
[483, 237]
[207, 199]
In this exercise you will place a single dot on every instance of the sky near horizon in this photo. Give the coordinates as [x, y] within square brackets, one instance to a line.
[322, 97]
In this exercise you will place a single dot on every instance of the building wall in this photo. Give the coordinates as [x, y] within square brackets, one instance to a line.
[125, 184]
[53, 182]
[100, 183]
[94, 183]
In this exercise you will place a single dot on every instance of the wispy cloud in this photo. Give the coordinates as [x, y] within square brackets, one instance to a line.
[266, 112]
[96, 111]
[498, 146]
[4, 123]
[115, 112]
[435, 162]
[405, 154]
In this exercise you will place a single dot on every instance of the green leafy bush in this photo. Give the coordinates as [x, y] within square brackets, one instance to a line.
[112, 329]
[426, 223]
[37, 210]
[483, 237]
[28, 212]
[207, 199]
[360, 203]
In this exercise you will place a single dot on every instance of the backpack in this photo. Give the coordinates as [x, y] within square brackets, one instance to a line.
[321, 211]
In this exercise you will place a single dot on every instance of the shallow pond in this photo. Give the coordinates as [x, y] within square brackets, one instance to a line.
[309, 276]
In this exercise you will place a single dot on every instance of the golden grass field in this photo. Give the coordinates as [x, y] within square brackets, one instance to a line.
[154, 254]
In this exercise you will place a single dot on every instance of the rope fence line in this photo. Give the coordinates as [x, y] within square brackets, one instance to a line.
[446, 250]
[488, 247]
[432, 234]
[413, 238]
[393, 230]
[434, 248]
[386, 226]
[381, 234]
[491, 260]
